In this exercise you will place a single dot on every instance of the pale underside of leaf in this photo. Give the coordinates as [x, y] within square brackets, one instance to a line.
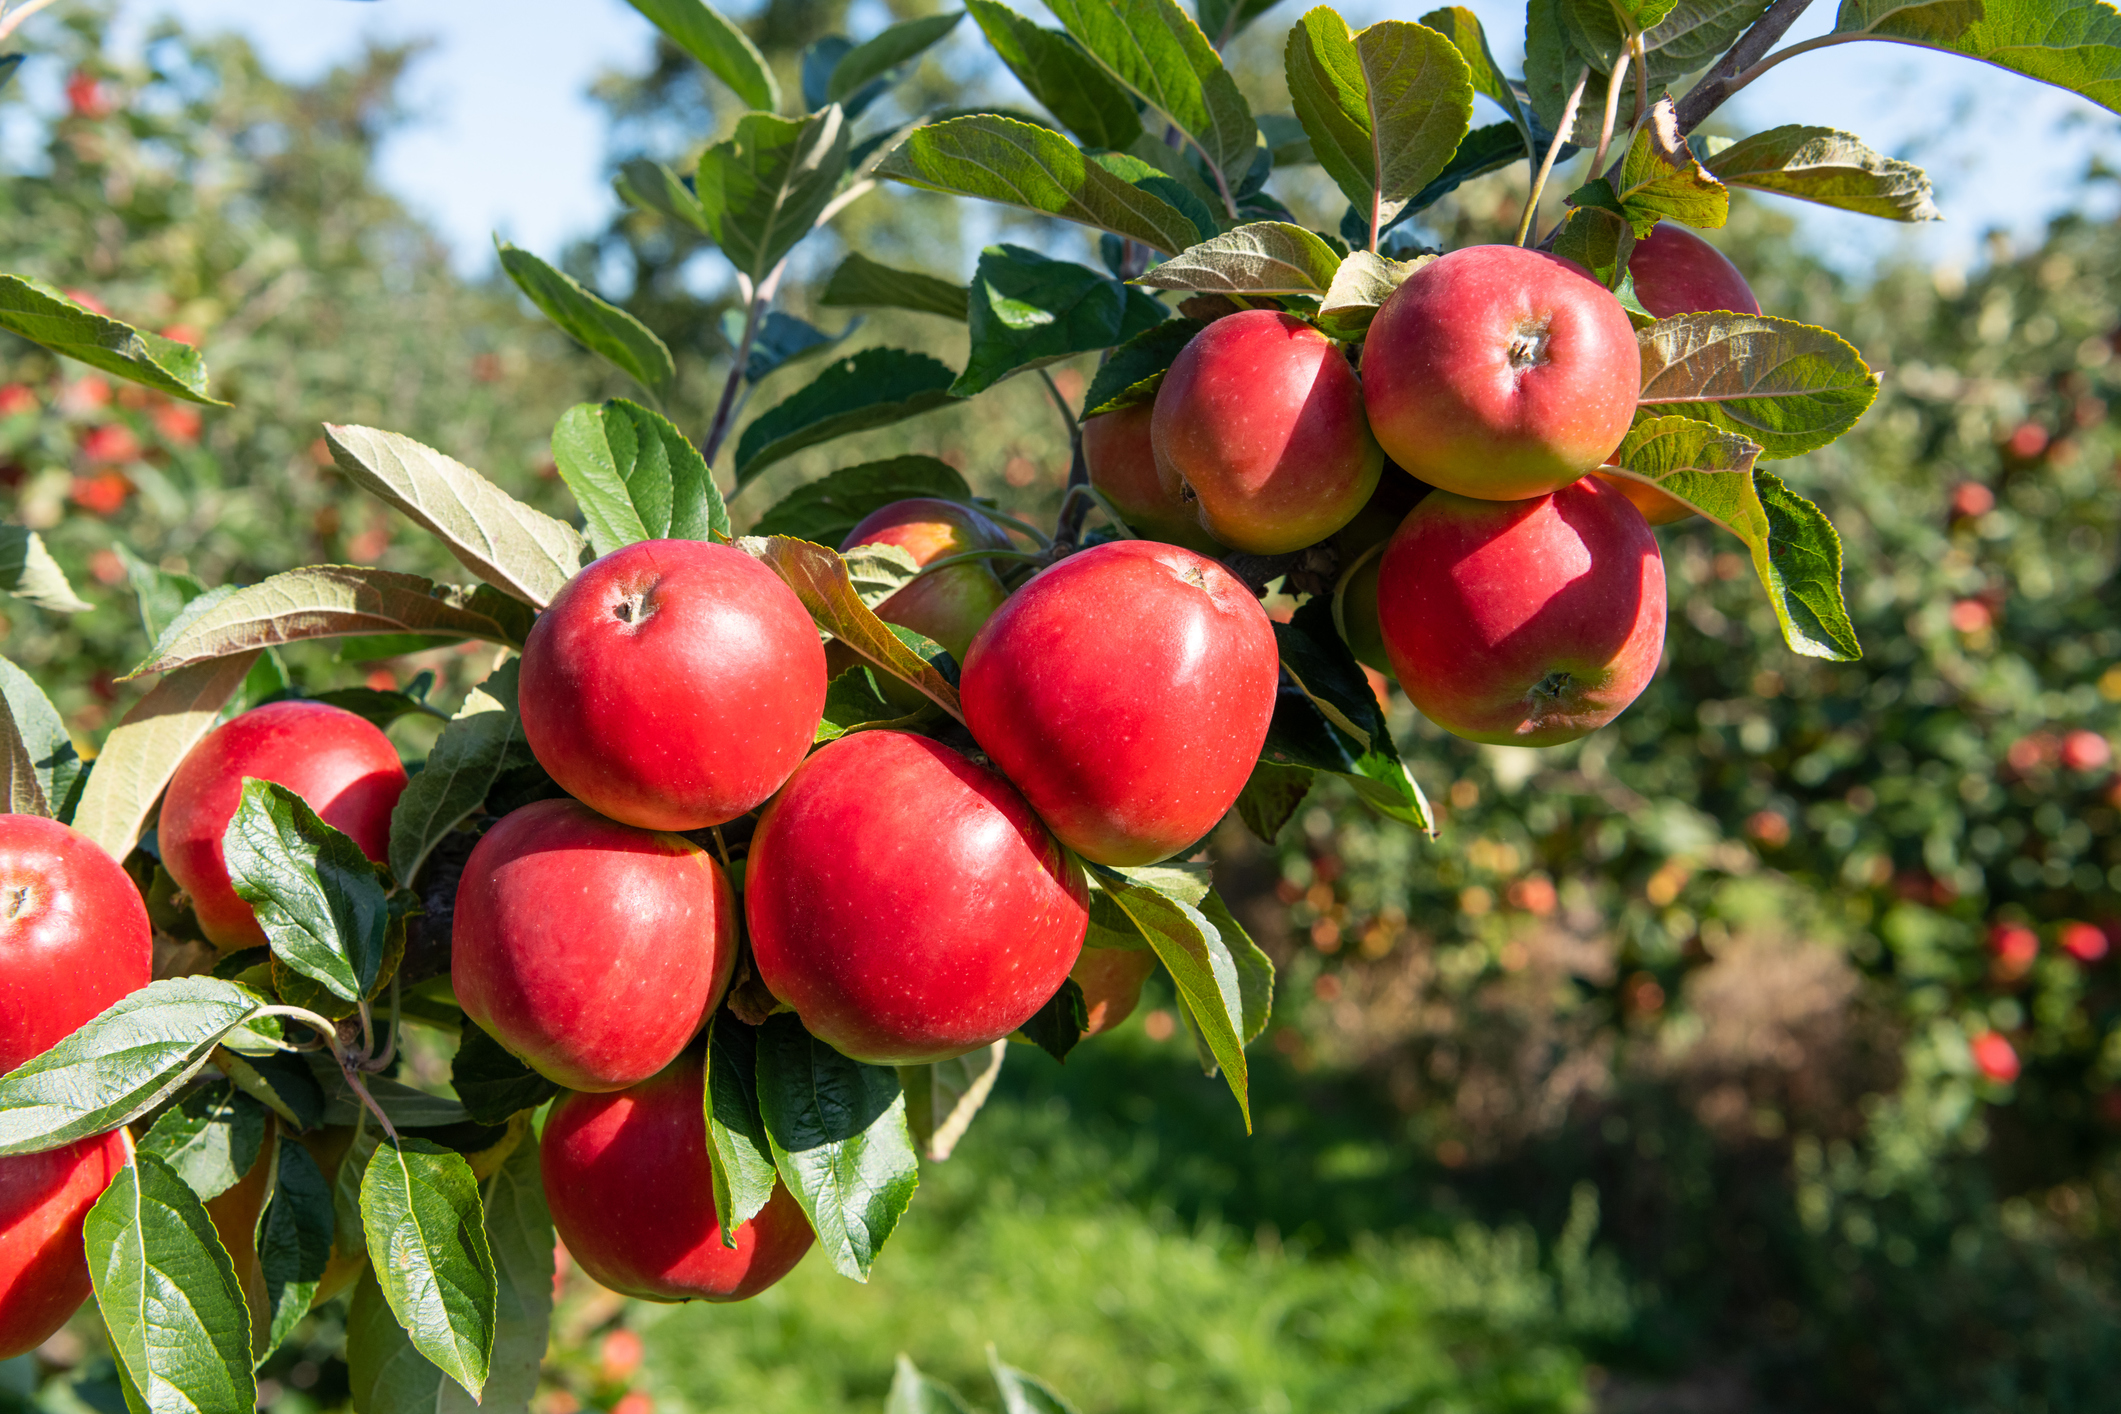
[140, 756]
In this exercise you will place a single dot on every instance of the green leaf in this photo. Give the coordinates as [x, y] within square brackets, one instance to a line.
[319, 601]
[142, 753]
[24, 793]
[1363, 282]
[1483, 150]
[426, 1234]
[1156, 52]
[915, 1393]
[388, 1375]
[1791, 387]
[1828, 168]
[119, 1065]
[837, 1129]
[1067, 82]
[1200, 963]
[315, 894]
[1385, 108]
[1682, 39]
[1029, 310]
[28, 571]
[348, 1239]
[635, 476]
[895, 45]
[209, 1139]
[515, 549]
[1057, 1026]
[653, 187]
[594, 323]
[1255, 970]
[762, 190]
[482, 741]
[1223, 20]
[1599, 240]
[1462, 27]
[1263, 258]
[44, 316]
[702, 31]
[493, 1084]
[1271, 797]
[861, 283]
[47, 766]
[380, 708]
[1794, 548]
[2072, 44]
[294, 1245]
[1136, 368]
[873, 388]
[1358, 743]
[852, 700]
[169, 1295]
[737, 1149]
[779, 340]
[1661, 180]
[942, 1098]
[819, 578]
[280, 1082]
[404, 1105]
[826, 511]
[1022, 1393]
[1019, 164]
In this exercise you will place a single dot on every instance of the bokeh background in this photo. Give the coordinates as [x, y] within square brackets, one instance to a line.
[1761, 1052]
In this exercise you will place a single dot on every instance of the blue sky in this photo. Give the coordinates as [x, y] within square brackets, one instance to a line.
[508, 140]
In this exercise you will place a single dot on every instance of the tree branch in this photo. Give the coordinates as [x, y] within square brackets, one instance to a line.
[1732, 71]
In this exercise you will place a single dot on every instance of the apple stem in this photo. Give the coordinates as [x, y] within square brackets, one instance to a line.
[1076, 505]
[721, 847]
[1546, 168]
[725, 410]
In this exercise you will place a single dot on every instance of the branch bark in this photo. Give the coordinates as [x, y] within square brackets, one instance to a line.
[1729, 74]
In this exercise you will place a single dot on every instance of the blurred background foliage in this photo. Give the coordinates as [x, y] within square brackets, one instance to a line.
[1761, 1052]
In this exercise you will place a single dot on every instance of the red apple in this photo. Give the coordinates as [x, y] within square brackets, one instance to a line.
[1523, 623]
[2085, 942]
[1260, 422]
[1126, 692]
[672, 685]
[2015, 948]
[342, 766]
[74, 936]
[632, 1195]
[907, 903]
[592, 950]
[1111, 979]
[1500, 373]
[1994, 1057]
[1120, 455]
[44, 1199]
[1677, 272]
[950, 604]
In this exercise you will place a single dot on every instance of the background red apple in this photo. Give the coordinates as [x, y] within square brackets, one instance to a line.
[593, 950]
[1111, 979]
[44, 1199]
[672, 685]
[950, 604]
[1523, 623]
[1500, 373]
[907, 903]
[341, 765]
[1120, 455]
[74, 936]
[1261, 421]
[1677, 272]
[1126, 692]
[632, 1195]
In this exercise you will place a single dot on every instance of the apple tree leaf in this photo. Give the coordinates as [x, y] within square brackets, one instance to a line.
[708, 36]
[592, 321]
[825, 511]
[872, 388]
[1028, 310]
[2072, 44]
[636, 477]
[1828, 168]
[426, 1233]
[1790, 387]
[1262, 258]
[44, 316]
[1067, 82]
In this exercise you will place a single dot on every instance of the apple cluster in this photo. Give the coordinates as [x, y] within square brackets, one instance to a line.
[1515, 591]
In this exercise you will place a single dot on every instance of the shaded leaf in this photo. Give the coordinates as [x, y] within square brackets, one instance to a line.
[28, 571]
[653, 187]
[1790, 387]
[1271, 797]
[1136, 368]
[826, 511]
[491, 1081]
[1019, 164]
[169, 1295]
[517, 550]
[737, 1149]
[1156, 52]
[942, 1098]
[280, 1082]
[1028, 310]
[761, 190]
[819, 578]
[860, 282]
[915, 1393]
[873, 388]
[43, 767]
[1058, 1026]
[837, 1129]
[1065, 80]
[1599, 240]
[1659, 179]
[779, 340]
[592, 321]
[1355, 741]
[294, 1245]
[893, 46]
[636, 477]
[1200, 963]
[209, 1139]
[426, 1235]
[1829, 168]
[852, 700]
[703, 32]
[482, 741]
[44, 316]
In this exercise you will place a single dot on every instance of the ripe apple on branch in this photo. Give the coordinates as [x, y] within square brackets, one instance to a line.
[753, 856]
